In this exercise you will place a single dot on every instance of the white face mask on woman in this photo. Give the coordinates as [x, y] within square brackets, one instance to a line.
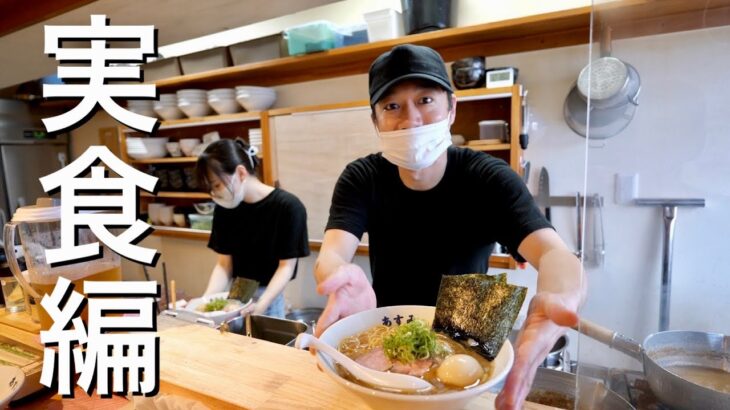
[416, 148]
[232, 196]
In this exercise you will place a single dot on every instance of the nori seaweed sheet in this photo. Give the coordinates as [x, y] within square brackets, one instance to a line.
[479, 307]
[243, 289]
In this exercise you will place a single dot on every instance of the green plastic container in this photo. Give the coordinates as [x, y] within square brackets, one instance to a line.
[313, 37]
[202, 222]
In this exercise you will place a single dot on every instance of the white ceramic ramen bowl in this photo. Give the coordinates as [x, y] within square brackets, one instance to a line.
[378, 399]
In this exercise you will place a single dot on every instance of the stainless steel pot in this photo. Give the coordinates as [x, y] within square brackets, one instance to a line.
[661, 351]
[308, 316]
[552, 387]
[558, 358]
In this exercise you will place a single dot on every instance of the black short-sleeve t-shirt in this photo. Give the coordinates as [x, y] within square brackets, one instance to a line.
[259, 235]
[417, 236]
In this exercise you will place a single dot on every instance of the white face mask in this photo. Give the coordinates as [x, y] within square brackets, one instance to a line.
[416, 148]
[232, 196]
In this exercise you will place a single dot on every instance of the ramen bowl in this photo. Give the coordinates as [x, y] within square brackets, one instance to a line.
[379, 399]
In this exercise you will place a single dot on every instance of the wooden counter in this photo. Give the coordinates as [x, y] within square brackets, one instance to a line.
[223, 371]
[228, 371]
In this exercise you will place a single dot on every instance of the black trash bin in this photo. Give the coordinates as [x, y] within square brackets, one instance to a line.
[420, 16]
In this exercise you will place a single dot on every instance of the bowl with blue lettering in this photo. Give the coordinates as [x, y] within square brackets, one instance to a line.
[400, 339]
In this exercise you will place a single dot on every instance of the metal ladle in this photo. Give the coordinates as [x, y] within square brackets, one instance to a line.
[394, 381]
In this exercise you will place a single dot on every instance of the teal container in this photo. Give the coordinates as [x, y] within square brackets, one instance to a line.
[313, 37]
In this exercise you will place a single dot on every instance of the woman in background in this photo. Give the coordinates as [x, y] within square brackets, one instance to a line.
[259, 231]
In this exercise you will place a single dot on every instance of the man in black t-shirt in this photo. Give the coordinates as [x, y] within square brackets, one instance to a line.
[432, 209]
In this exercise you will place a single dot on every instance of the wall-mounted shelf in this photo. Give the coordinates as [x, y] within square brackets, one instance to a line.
[628, 18]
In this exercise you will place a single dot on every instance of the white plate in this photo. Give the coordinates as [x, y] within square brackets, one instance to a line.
[11, 380]
[217, 316]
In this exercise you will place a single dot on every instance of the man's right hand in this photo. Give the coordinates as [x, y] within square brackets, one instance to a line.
[349, 292]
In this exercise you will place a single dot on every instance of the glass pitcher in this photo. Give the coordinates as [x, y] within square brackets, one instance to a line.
[40, 229]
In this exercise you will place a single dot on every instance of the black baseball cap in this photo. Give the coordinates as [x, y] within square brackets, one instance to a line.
[403, 62]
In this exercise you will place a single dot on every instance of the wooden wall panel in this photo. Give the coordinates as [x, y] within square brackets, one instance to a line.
[313, 149]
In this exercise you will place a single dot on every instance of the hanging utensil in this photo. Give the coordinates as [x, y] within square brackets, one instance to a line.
[524, 137]
[543, 192]
[608, 87]
[167, 290]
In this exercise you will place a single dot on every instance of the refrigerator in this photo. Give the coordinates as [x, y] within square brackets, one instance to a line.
[27, 153]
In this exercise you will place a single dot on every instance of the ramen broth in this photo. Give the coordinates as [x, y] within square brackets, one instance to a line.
[715, 379]
[107, 272]
[362, 343]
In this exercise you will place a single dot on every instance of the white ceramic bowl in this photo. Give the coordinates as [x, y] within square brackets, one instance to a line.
[191, 91]
[147, 112]
[254, 89]
[166, 215]
[11, 380]
[219, 316]
[221, 91]
[205, 208]
[174, 149]
[153, 210]
[194, 109]
[187, 145]
[255, 101]
[378, 399]
[146, 148]
[224, 105]
[179, 219]
[169, 112]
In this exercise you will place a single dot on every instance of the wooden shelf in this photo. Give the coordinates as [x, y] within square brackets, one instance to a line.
[173, 194]
[362, 248]
[207, 120]
[177, 232]
[628, 18]
[211, 120]
[173, 160]
[487, 148]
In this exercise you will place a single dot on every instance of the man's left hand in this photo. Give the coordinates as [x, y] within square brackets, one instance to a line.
[547, 317]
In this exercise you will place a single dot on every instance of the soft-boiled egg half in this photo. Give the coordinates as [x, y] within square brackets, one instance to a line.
[460, 370]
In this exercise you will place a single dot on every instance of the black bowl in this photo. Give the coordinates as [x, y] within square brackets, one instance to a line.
[468, 72]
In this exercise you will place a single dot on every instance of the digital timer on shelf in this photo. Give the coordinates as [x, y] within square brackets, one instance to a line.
[501, 77]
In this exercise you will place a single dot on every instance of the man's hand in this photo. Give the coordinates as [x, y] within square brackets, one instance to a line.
[349, 292]
[546, 318]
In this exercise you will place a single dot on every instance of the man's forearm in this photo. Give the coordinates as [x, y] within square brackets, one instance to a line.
[327, 263]
[560, 271]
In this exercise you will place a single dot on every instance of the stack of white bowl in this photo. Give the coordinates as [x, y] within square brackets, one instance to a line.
[142, 107]
[255, 98]
[193, 102]
[223, 100]
[254, 139]
[146, 148]
[167, 108]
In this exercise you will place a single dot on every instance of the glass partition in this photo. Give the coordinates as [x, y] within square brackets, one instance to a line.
[654, 110]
